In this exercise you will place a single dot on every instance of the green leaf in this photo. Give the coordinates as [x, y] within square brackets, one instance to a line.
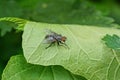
[18, 69]
[112, 41]
[6, 26]
[18, 21]
[87, 56]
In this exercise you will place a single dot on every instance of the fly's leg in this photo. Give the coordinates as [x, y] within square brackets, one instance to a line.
[58, 43]
[64, 44]
[49, 45]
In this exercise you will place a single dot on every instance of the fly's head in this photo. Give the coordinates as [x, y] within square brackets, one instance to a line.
[63, 39]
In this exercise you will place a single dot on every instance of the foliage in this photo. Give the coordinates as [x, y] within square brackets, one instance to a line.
[90, 28]
[106, 8]
[22, 70]
[112, 41]
[71, 12]
[8, 8]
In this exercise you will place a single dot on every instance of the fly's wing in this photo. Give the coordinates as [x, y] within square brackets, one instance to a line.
[50, 32]
[54, 34]
[48, 39]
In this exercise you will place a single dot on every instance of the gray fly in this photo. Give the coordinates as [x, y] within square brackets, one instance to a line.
[53, 37]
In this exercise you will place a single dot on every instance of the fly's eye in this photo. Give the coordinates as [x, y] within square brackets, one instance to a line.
[64, 39]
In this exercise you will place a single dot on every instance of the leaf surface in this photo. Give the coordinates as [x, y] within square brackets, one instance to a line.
[18, 69]
[88, 55]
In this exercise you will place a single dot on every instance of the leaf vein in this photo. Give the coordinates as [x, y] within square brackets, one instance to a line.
[20, 72]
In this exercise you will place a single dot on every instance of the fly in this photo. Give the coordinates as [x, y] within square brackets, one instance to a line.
[53, 38]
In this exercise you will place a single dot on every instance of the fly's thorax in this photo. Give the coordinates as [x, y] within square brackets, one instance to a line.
[61, 38]
[58, 37]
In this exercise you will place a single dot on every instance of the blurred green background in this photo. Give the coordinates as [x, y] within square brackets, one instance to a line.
[84, 12]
